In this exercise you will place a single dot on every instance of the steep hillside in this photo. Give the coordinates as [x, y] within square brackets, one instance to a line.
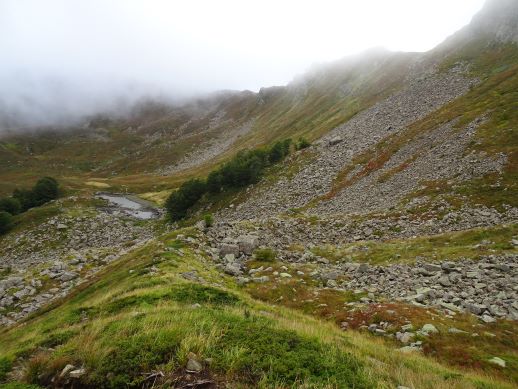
[165, 316]
[383, 255]
[160, 145]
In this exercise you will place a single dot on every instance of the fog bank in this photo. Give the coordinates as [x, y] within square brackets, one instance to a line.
[62, 60]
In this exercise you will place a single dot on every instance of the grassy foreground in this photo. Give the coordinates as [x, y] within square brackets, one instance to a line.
[145, 316]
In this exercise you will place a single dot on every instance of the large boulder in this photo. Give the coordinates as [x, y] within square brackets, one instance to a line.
[335, 141]
[247, 244]
[233, 269]
[228, 248]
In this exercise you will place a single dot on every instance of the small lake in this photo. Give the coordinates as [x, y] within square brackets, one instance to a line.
[130, 206]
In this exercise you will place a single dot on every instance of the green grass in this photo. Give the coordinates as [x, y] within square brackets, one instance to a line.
[130, 331]
[123, 325]
[265, 254]
[449, 246]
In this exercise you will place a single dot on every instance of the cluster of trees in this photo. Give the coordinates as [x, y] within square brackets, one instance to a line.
[243, 169]
[45, 190]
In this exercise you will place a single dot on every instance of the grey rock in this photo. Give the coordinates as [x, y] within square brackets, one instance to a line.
[444, 281]
[261, 279]
[77, 373]
[335, 141]
[405, 337]
[432, 267]
[67, 276]
[476, 309]
[68, 368]
[193, 366]
[233, 269]
[429, 329]
[498, 361]
[363, 268]
[454, 330]
[488, 319]
[247, 243]
[228, 248]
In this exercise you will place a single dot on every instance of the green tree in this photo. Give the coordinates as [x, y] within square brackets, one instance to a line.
[276, 152]
[25, 197]
[11, 205]
[6, 222]
[185, 197]
[214, 181]
[45, 190]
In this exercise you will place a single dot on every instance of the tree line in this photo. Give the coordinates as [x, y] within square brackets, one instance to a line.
[245, 168]
[45, 190]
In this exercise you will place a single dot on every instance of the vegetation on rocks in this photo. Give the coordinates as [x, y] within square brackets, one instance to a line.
[245, 168]
[302, 143]
[45, 190]
[10, 205]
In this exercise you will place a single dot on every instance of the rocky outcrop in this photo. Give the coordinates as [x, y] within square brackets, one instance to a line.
[487, 288]
[282, 232]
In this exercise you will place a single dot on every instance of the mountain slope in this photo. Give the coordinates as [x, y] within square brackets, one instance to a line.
[136, 325]
[384, 254]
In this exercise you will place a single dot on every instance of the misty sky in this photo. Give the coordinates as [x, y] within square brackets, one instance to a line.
[63, 57]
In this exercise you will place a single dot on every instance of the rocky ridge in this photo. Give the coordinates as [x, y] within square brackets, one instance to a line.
[282, 232]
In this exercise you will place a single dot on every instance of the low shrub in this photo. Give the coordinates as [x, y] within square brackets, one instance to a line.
[5, 367]
[302, 143]
[265, 254]
[208, 219]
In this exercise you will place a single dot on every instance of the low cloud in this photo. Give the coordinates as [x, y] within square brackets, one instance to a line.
[62, 60]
